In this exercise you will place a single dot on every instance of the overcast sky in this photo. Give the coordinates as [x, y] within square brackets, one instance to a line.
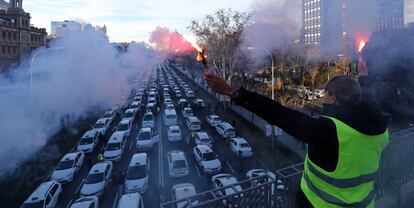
[129, 20]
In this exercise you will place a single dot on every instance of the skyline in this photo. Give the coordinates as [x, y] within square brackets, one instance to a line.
[133, 21]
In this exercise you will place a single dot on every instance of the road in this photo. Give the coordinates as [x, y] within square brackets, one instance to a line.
[160, 183]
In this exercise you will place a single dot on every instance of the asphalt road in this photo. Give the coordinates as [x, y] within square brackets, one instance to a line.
[160, 183]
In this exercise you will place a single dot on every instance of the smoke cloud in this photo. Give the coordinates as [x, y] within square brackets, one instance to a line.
[163, 39]
[78, 74]
[273, 24]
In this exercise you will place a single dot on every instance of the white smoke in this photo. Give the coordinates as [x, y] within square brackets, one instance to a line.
[78, 74]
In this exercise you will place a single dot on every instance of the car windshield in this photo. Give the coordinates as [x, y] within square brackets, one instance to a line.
[122, 127]
[209, 156]
[187, 111]
[195, 123]
[94, 178]
[171, 117]
[99, 125]
[128, 115]
[113, 146]
[175, 131]
[86, 140]
[107, 115]
[63, 165]
[205, 140]
[136, 172]
[244, 145]
[148, 117]
[37, 204]
[144, 136]
[179, 164]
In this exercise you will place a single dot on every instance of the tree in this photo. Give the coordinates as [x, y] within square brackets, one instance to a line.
[313, 71]
[221, 34]
[342, 64]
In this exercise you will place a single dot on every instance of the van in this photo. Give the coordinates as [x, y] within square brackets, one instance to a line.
[193, 124]
[170, 118]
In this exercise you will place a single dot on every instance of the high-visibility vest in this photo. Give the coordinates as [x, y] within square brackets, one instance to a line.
[351, 184]
[100, 157]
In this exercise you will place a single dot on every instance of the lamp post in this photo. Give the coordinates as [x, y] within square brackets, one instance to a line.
[273, 70]
[31, 67]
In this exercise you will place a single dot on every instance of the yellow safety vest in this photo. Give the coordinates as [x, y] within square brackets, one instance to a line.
[351, 184]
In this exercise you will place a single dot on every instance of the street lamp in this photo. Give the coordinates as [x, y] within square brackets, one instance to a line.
[31, 67]
[273, 70]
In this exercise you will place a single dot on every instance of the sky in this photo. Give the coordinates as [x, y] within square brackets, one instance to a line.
[133, 20]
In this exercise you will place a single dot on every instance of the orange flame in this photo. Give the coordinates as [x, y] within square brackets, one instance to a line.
[193, 41]
[361, 46]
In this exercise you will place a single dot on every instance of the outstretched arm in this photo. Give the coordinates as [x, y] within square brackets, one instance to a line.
[293, 122]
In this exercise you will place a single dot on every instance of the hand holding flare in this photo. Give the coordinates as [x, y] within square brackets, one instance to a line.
[201, 57]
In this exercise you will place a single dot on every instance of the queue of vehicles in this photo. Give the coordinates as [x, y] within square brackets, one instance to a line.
[137, 177]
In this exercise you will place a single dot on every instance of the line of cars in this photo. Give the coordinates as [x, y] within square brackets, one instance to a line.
[208, 160]
[100, 174]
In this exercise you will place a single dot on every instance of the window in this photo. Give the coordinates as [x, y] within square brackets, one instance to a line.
[14, 36]
[9, 35]
[4, 35]
[8, 49]
[48, 199]
[53, 190]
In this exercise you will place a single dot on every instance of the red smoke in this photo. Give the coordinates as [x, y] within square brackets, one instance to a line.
[164, 39]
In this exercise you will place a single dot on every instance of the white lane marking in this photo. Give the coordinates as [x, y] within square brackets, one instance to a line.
[70, 203]
[187, 139]
[232, 170]
[130, 146]
[80, 185]
[198, 171]
[116, 200]
[161, 171]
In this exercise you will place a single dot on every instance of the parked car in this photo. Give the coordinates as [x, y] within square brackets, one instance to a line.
[88, 141]
[170, 107]
[136, 105]
[131, 200]
[115, 146]
[223, 180]
[174, 133]
[207, 159]
[187, 112]
[46, 195]
[240, 147]
[138, 174]
[177, 163]
[102, 125]
[68, 167]
[225, 130]
[182, 191]
[145, 139]
[148, 120]
[213, 120]
[193, 124]
[170, 117]
[199, 102]
[110, 115]
[189, 93]
[125, 127]
[97, 179]
[86, 202]
[202, 138]
[129, 115]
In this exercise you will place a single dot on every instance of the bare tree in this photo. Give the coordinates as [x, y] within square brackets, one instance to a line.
[221, 33]
[313, 71]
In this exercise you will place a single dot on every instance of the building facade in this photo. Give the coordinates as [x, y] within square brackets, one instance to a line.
[339, 26]
[390, 15]
[59, 28]
[17, 37]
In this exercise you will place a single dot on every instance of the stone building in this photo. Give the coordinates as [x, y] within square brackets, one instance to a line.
[17, 37]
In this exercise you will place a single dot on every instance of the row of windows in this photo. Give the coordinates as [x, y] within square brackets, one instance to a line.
[9, 50]
[35, 38]
[9, 35]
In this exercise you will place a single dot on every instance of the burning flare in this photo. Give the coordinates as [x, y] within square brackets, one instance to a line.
[361, 46]
[193, 41]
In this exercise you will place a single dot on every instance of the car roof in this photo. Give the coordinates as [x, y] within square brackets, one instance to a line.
[193, 118]
[148, 113]
[99, 167]
[187, 108]
[226, 179]
[239, 140]
[116, 137]
[204, 148]
[184, 190]
[202, 134]
[139, 159]
[89, 133]
[69, 156]
[214, 116]
[227, 125]
[129, 200]
[135, 103]
[124, 122]
[169, 112]
[177, 154]
[174, 128]
[101, 120]
[146, 129]
[129, 110]
[40, 191]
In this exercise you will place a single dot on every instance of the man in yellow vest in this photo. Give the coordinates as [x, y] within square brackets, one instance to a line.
[345, 143]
